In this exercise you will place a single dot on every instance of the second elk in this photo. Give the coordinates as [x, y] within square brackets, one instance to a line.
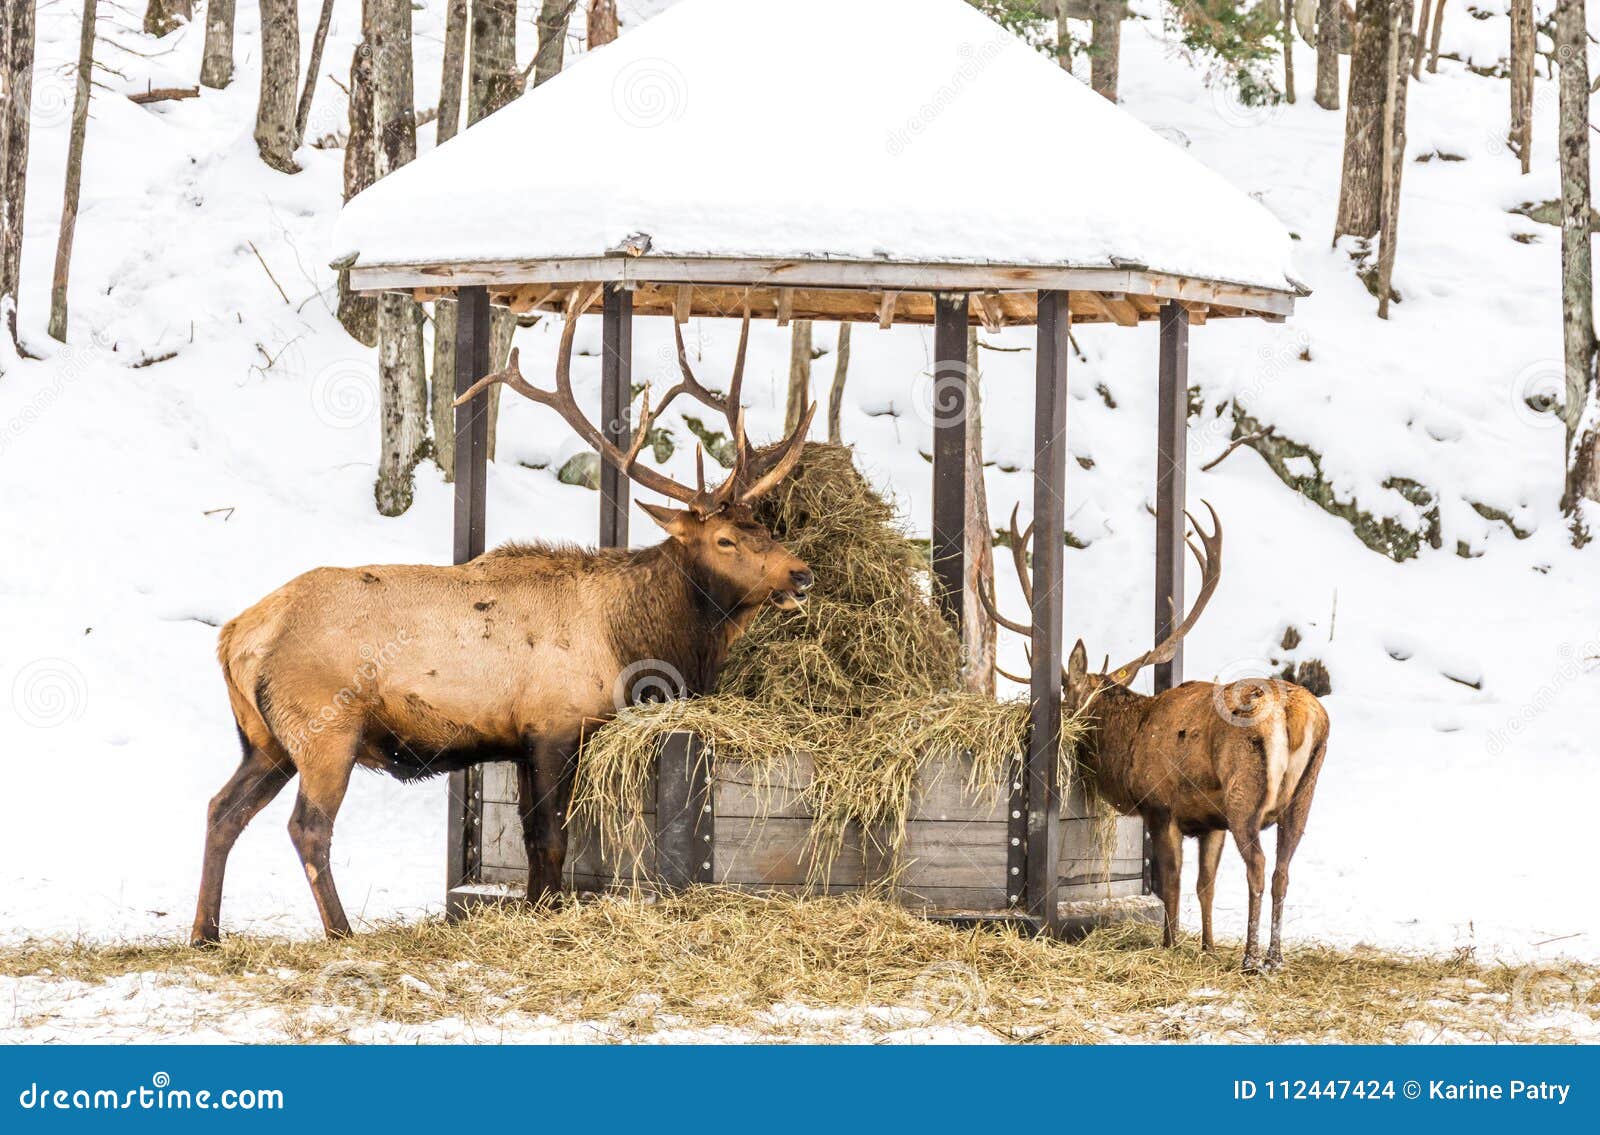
[1203, 759]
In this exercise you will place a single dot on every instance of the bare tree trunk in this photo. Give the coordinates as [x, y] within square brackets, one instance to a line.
[161, 16]
[1105, 47]
[1522, 43]
[1421, 39]
[216, 65]
[493, 81]
[1330, 14]
[74, 178]
[1288, 50]
[1582, 407]
[548, 60]
[455, 61]
[402, 378]
[16, 95]
[841, 372]
[1400, 48]
[1063, 39]
[1433, 40]
[359, 313]
[799, 374]
[602, 22]
[280, 72]
[1361, 185]
[303, 114]
[978, 665]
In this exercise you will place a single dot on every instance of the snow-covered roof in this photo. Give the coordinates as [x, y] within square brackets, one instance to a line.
[877, 132]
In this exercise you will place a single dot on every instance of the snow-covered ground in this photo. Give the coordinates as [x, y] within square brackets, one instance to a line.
[201, 439]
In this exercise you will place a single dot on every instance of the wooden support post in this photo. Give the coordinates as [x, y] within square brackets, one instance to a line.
[1172, 438]
[949, 543]
[684, 817]
[616, 395]
[1049, 518]
[465, 823]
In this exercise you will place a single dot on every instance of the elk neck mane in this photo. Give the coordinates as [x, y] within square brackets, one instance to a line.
[1113, 715]
[671, 609]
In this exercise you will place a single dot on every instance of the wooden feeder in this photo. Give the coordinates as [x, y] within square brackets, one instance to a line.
[1020, 199]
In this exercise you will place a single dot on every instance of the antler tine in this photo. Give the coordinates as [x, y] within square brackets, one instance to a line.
[986, 597]
[789, 455]
[562, 401]
[726, 404]
[1210, 561]
[1019, 555]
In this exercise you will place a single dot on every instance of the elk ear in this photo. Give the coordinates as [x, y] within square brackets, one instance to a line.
[1078, 664]
[676, 522]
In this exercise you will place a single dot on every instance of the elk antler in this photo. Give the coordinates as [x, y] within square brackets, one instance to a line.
[1019, 560]
[1210, 575]
[703, 502]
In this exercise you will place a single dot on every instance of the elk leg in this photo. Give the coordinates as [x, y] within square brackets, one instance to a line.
[324, 777]
[1290, 829]
[1247, 836]
[1211, 844]
[1166, 842]
[544, 788]
[257, 781]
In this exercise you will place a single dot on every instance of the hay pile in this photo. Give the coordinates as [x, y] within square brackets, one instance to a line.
[865, 680]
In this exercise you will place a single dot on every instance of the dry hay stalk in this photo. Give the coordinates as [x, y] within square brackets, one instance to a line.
[712, 957]
[865, 680]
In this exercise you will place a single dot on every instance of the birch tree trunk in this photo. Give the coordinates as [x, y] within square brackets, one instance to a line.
[16, 94]
[1361, 184]
[493, 81]
[216, 64]
[74, 177]
[358, 313]
[1288, 50]
[303, 114]
[1421, 40]
[602, 22]
[402, 379]
[548, 60]
[1522, 43]
[280, 74]
[444, 311]
[978, 663]
[799, 374]
[1105, 47]
[1582, 406]
[1330, 13]
[1433, 40]
[161, 16]
[1400, 48]
[841, 372]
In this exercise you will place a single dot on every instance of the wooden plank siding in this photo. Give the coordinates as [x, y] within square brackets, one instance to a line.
[953, 859]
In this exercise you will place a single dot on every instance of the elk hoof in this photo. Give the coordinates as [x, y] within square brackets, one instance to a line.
[201, 941]
[1252, 965]
[1273, 963]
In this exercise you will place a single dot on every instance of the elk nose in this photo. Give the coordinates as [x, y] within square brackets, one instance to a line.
[802, 580]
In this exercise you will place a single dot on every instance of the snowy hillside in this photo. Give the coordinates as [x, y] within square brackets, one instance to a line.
[210, 431]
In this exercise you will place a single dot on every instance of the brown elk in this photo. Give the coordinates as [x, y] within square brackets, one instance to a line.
[1202, 759]
[421, 670]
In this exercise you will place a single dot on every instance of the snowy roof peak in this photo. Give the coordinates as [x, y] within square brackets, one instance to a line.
[913, 131]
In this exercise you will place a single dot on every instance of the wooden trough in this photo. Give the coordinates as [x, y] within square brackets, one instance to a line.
[726, 823]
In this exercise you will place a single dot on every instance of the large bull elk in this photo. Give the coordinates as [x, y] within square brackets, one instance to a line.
[421, 670]
[1203, 759]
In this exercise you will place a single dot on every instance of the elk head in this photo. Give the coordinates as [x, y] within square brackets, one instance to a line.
[716, 529]
[1079, 686]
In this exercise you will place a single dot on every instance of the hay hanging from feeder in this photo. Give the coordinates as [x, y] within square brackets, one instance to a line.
[865, 680]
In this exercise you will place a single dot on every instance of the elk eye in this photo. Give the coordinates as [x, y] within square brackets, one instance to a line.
[724, 542]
